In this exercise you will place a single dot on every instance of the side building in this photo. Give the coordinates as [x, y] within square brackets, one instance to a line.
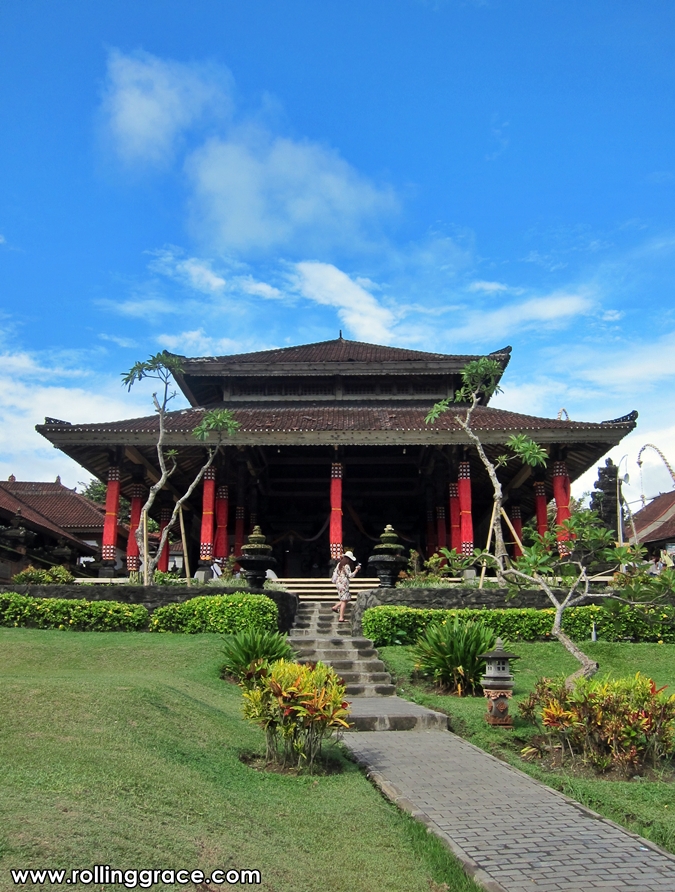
[333, 445]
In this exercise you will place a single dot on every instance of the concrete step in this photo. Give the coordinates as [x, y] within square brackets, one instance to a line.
[330, 655]
[394, 714]
[357, 677]
[342, 666]
[368, 689]
[323, 591]
[335, 641]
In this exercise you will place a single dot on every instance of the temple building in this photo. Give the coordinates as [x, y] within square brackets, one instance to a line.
[42, 524]
[332, 445]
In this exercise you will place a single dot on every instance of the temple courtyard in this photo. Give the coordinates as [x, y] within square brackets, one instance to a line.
[127, 751]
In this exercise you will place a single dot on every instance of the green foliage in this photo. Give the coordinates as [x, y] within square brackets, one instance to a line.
[57, 575]
[436, 570]
[253, 646]
[224, 581]
[636, 584]
[448, 652]
[590, 545]
[160, 366]
[623, 723]
[226, 614]
[169, 578]
[298, 707]
[216, 421]
[77, 615]
[525, 448]
[388, 625]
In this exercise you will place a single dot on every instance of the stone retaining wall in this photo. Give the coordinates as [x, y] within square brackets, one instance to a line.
[154, 596]
[443, 599]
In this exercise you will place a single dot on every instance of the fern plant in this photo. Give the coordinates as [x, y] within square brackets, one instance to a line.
[250, 646]
[448, 652]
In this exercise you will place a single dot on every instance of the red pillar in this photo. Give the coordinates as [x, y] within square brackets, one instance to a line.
[335, 537]
[208, 508]
[431, 533]
[112, 507]
[517, 521]
[455, 536]
[164, 518]
[465, 518]
[133, 558]
[540, 507]
[441, 532]
[239, 530]
[220, 543]
[561, 494]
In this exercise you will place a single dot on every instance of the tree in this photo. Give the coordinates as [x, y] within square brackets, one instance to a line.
[163, 367]
[588, 543]
[96, 491]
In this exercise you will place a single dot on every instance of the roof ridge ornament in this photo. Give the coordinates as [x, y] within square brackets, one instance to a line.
[632, 416]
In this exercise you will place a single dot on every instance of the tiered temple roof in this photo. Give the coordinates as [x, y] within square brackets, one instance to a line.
[302, 408]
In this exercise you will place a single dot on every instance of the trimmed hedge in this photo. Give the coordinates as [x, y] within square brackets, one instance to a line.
[67, 613]
[217, 613]
[403, 625]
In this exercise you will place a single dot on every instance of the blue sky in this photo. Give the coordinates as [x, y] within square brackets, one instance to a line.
[217, 177]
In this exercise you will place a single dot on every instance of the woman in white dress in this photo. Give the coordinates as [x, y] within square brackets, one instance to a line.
[345, 569]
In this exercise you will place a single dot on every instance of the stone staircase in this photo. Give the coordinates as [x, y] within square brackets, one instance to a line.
[319, 589]
[317, 635]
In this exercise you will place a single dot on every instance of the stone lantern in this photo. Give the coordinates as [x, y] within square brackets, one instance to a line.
[387, 559]
[256, 559]
[497, 684]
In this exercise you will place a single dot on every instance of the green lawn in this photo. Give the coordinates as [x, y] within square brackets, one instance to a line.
[123, 749]
[646, 807]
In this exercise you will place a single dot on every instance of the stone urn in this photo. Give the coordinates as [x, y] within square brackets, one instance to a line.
[256, 559]
[387, 559]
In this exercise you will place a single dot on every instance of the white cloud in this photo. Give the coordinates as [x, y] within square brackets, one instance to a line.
[554, 311]
[125, 343]
[360, 312]
[261, 289]
[630, 367]
[612, 315]
[198, 343]
[193, 272]
[148, 102]
[254, 192]
[140, 306]
[25, 402]
[488, 287]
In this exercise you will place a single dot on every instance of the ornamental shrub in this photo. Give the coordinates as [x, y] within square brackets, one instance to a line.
[169, 577]
[227, 614]
[392, 624]
[253, 646]
[623, 723]
[298, 707]
[56, 575]
[65, 613]
[448, 652]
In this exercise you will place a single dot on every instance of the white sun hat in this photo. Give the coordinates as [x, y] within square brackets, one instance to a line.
[350, 555]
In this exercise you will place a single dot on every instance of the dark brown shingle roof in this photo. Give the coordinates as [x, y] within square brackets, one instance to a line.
[338, 350]
[342, 416]
[11, 505]
[656, 520]
[61, 505]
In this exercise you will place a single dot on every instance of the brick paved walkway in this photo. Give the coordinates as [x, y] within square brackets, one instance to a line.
[512, 833]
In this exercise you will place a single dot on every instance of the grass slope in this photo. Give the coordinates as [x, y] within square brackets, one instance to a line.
[123, 749]
[645, 807]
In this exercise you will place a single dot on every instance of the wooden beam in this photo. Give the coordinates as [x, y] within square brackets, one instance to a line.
[138, 458]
